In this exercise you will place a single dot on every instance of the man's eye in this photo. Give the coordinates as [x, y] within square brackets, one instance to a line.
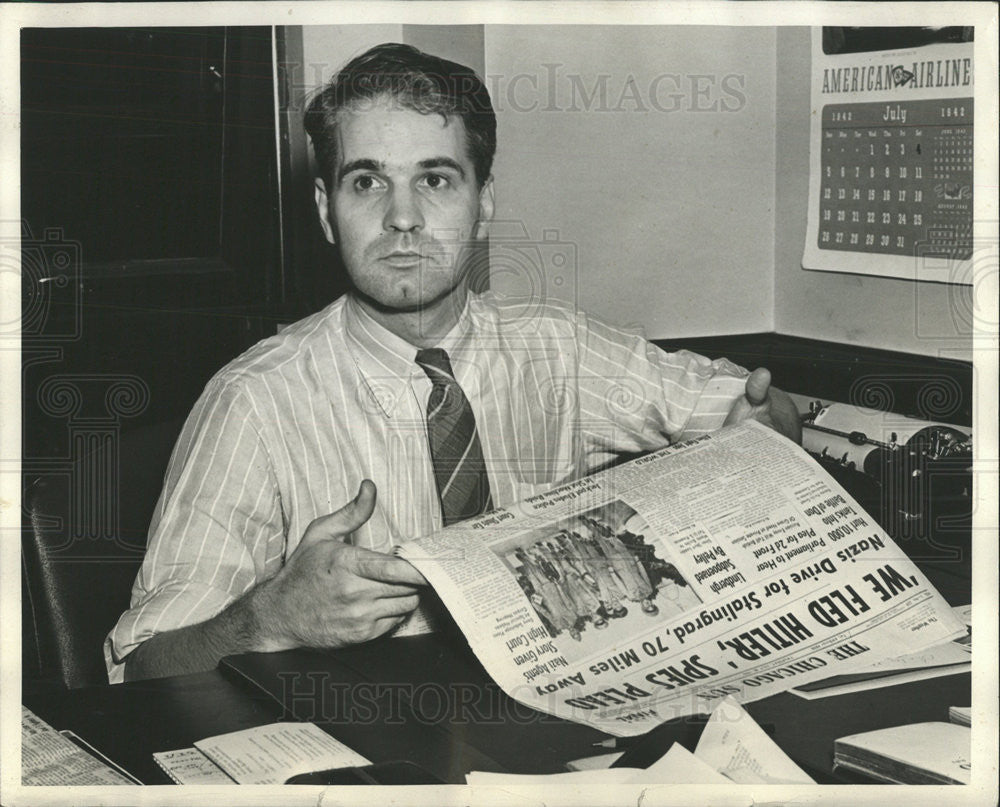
[435, 181]
[366, 183]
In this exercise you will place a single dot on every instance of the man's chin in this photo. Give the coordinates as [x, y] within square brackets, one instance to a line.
[401, 303]
[403, 300]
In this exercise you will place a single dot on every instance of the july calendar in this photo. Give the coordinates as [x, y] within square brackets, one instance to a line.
[892, 153]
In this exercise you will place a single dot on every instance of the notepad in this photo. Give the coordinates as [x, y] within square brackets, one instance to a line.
[188, 766]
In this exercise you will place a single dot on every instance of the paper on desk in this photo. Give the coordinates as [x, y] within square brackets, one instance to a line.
[594, 763]
[270, 754]
[964, 612]
[602, 776]
[679, 767]
[49, 758]
[732, 748]
[188, 766]
[863, 682]
[733, 744]
[948, 658]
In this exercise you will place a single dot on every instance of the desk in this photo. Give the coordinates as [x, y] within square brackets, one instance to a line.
[128, 722]
[422, 698]
[511, 737]
[433, 705]
[428, 700]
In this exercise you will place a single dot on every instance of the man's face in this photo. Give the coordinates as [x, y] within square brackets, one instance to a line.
[403, 206]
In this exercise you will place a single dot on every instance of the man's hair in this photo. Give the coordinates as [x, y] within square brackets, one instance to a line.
[417, 80]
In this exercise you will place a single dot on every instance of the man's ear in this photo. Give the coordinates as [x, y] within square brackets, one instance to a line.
[323, 209]
[486, 208]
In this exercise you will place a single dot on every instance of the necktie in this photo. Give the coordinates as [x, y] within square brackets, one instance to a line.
[457, 456]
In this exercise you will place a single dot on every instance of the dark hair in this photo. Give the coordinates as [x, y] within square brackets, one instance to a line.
[421, 82]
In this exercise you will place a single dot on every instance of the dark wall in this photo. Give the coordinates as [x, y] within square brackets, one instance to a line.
[939, 390]
[150, 242]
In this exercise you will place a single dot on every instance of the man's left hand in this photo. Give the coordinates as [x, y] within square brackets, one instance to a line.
[768, 405]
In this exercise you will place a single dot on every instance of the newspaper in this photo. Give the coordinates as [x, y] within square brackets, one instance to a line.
[50, 757]
[731, 564]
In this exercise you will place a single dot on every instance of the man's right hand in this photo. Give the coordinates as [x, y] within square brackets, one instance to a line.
[330, 593]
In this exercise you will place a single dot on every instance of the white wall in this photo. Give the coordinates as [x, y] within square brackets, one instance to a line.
[460, 43]
[924, 318]
[672, 212]
[685, 222]
[326, 48]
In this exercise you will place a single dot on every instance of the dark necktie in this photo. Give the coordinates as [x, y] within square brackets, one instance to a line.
[457, 456]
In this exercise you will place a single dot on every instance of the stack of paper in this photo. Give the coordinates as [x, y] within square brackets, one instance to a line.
[918, 754]
[732, 748]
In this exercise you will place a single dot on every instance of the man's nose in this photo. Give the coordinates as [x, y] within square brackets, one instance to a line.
[403, 212]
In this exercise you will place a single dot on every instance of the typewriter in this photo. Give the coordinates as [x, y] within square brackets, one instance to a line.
[914, 476]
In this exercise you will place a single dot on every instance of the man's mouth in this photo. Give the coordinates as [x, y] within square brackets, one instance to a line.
[403, 258]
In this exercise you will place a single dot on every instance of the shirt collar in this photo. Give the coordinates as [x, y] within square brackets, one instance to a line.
[387, 362]
[459, 340]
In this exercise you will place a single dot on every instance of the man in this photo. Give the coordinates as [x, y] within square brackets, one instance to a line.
[252, 547]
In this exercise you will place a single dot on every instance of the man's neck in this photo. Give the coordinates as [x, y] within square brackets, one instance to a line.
[423, 327]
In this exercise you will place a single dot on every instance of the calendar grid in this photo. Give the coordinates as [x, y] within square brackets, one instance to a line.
[897, 178]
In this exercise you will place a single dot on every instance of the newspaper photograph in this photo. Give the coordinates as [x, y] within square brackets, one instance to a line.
[727, 565]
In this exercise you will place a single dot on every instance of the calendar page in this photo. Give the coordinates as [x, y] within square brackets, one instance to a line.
[891, 158]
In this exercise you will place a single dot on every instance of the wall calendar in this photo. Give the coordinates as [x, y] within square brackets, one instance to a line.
[891, 157]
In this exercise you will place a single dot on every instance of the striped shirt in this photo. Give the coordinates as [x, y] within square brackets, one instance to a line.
[286, 432]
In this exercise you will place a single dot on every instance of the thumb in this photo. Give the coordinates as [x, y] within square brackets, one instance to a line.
[347, 519]
[758, 385]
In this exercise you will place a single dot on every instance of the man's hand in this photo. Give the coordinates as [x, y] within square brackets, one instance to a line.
[768, 405]
[330, 593]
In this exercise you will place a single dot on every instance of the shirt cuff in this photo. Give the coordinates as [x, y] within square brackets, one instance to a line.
[726, 386]
[169, 608]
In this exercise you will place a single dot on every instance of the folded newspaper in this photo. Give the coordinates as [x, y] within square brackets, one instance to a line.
[731, 564]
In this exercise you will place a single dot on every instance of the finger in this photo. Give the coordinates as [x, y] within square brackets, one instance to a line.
[385, 568]
[348, 518]
[386, 624]
[739, 412]
[376, 589]
[758, 385]
[387, 620]
[398, 606]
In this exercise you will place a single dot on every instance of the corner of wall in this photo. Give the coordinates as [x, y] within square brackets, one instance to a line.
[865, 310]
[772, 314]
